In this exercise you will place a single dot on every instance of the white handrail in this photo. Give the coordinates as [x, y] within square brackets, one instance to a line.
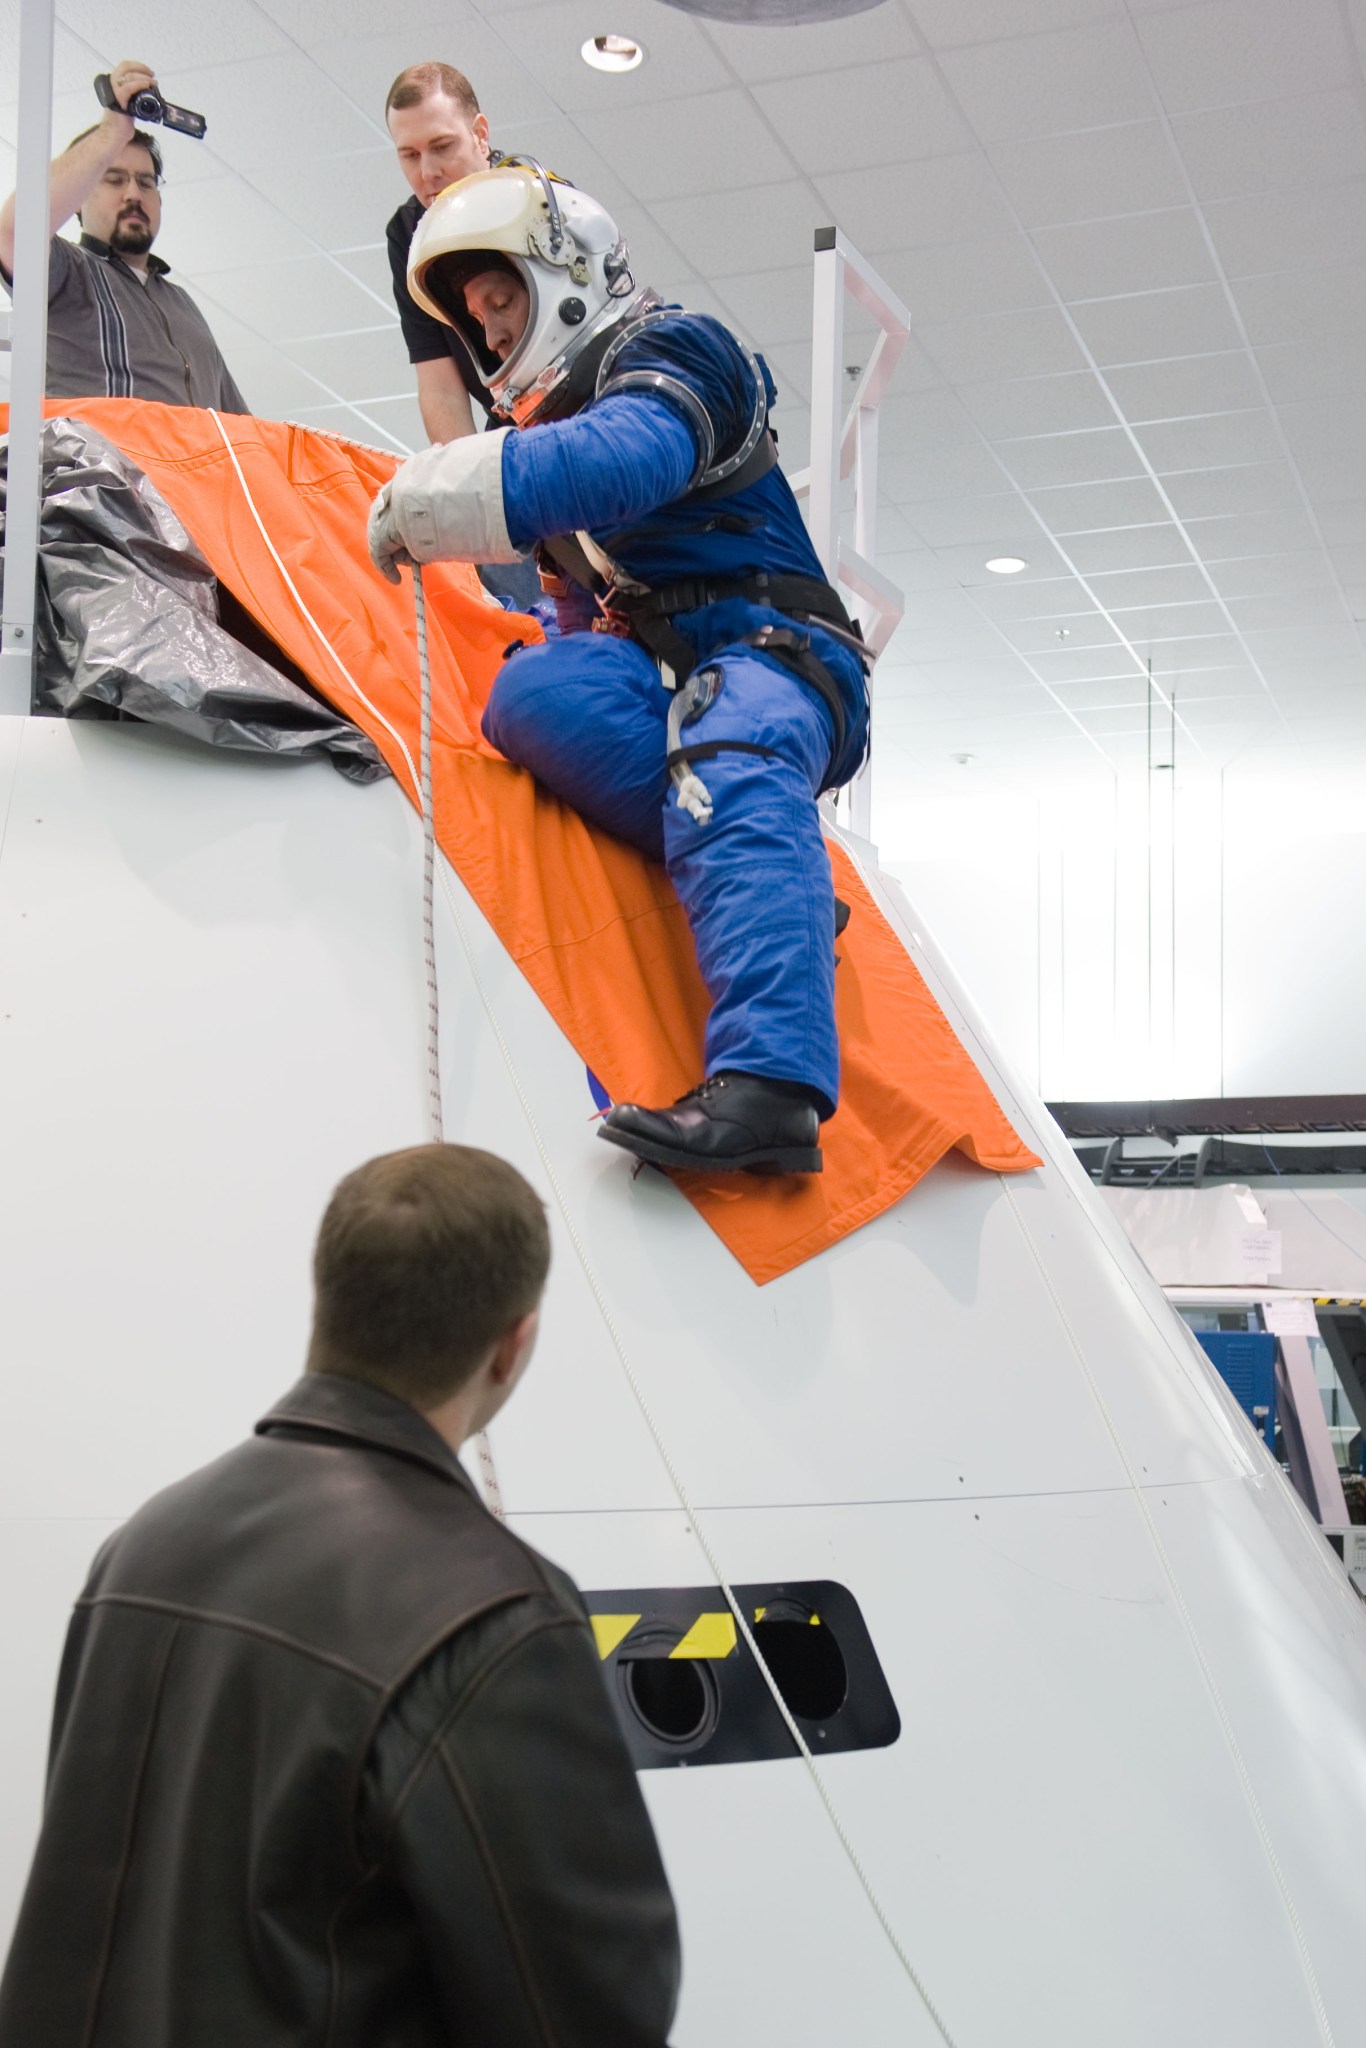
[28, 356]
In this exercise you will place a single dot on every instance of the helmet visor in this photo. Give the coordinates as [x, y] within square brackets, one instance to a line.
[444, 281]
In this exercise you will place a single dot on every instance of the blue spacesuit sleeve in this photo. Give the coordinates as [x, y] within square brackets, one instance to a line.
[602, 469]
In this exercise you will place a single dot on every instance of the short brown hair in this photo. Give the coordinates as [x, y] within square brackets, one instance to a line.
[420, 81]
[424, 1259]
[139, 135]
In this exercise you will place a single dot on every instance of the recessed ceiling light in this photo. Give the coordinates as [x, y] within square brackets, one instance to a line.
[1006, 565]
[611, 53]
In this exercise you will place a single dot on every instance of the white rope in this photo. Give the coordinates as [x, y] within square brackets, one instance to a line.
[676, 1481]
[488, 1474]
[322, 638]
[422, 786]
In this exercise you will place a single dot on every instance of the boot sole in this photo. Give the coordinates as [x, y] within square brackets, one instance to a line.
[772, 1159]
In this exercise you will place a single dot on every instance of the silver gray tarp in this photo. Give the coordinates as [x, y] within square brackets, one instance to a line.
[131, 620]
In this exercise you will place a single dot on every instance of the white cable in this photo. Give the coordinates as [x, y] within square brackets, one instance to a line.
[422, 789]
[493, 1492]
[676, 1481]
[322, 638]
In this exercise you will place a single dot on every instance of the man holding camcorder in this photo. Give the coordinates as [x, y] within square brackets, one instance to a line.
[116, 326]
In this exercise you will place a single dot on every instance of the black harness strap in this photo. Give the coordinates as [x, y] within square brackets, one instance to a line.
[707, 750]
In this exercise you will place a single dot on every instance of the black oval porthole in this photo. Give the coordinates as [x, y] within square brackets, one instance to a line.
[803, 1653]
[675, 1699]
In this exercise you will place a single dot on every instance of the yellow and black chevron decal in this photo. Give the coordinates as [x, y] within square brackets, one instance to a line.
[711, 1634]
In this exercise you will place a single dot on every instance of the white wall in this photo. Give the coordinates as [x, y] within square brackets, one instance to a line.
[1127, 938]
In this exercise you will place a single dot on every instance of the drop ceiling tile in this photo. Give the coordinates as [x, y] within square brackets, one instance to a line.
[178, 39]
[1000, 525]
[399, 420]
[1228, 51]
[1301, 680]
[251, 104]
[1090, 176]
[1241, 535]
[945, 199]
[1318, 427]
[1216, 441]
[709, 142]
[911, 421]
[1108, 721]
[223, 222]
[1317, 366]
[945, 24]
[1047, 84]
[879, 114]
[272, 385]
[1259, 576]
[337, 199]
[1021, 406]
[1140, 253]
[1127, 547]
[356, 366]
[1100, 456]
[1349, 561]
[1331, 474]
[775, 304]
[1044, 636]
[309, 296]
[679, 57]
[1303, 305]
[1004, 671]
[1297, 648]
[1003, 345]
[1154, 326]
[364, 65]
[967, 563]
[1213, 665]
[1142, 589]
[774, 227]
[309, 21]
[369, 266]
[1274, 145]
[916, 569]
[1343, 524]
[938, 643]
[1099, 693]
[1317, 226]
[947, 471]
[1187, 386]
[760, 53]
[1293, 612]
[954, 281]
[1146, 630]
[1254, 487]
[1086, 508]
[1095, 664]
[1061, 599]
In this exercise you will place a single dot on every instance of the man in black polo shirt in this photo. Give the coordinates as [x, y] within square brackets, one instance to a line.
[441, 136]
[116, 328]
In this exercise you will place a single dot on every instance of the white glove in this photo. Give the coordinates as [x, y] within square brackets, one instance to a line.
[444, 505]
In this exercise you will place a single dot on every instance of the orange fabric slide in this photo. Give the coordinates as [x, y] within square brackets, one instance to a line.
[594, 927]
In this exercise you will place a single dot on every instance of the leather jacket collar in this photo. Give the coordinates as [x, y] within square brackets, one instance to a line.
[325, 1404]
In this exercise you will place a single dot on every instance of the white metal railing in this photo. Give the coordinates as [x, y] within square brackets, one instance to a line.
[28, 355]
[846, 439]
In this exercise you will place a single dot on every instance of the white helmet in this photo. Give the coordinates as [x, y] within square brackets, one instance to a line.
[563, 247]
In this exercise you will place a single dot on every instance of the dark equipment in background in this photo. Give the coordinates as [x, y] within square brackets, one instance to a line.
[150, 106]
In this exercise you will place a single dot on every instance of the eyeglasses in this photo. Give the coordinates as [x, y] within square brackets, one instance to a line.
[146, 181]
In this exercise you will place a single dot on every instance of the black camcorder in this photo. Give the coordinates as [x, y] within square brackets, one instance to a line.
[150, 106]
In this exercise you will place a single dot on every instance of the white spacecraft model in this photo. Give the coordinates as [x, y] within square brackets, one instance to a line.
[1081, 1688]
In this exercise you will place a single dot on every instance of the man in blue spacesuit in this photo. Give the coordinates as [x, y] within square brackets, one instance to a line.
[706, 684]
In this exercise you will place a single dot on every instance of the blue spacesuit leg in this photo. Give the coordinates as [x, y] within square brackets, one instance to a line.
[756, 881]
[587, 714]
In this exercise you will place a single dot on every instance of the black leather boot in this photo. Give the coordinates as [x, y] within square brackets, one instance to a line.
[733, 1123]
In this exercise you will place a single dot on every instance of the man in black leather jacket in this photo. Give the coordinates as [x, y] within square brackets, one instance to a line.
[332, 1760]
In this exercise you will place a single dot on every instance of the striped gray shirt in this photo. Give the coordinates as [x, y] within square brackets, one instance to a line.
[109, 335]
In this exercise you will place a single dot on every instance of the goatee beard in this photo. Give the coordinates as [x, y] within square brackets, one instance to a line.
[131, 238]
